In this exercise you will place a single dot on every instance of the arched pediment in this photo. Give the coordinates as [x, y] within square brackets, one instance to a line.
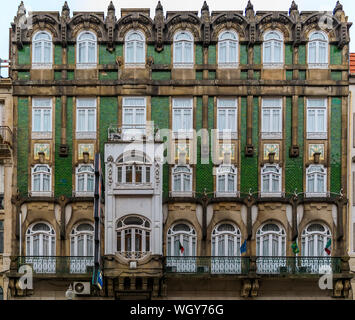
[135, 21]
[184, 21]
[229, 21]
[87, 21]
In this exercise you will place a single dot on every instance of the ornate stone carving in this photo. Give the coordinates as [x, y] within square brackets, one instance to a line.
[110, 26]
[159, 27]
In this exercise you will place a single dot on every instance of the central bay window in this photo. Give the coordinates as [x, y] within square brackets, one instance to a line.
[42, 50]
[318, 50]
[86, 50]
[183, 50]
[85, 180]
[41, 180]
[134, 168]
[133, 237]
[271, 180]
[273, 49]
[86, 118]
[271, 121]
[316, 176]
[182, 117]
[228, 49]
[134, 116]
[227, 117]
[182, 180]
[135, 49]
[317, 118]
[226, 180]
[41, 118]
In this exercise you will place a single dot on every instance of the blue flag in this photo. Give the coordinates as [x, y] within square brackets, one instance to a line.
[243, 247]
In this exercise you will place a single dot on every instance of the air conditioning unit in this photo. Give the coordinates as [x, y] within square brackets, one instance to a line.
[81, 288]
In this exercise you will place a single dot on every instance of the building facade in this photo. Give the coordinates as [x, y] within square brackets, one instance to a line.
[224, 141]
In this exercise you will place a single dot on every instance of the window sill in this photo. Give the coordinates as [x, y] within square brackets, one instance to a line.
[41, 194]
[271, 194]
[83, 194]
[86, 65]
[317, 65]
[41, 135]
[316, 194]
[271, 135]
[183, 65]
[86, 135]
[228, 65]
[275, 65]
[181, 194]
[42, 66]
[227, 194]
[317, 135]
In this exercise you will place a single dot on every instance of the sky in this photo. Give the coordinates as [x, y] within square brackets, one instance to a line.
[8, 10]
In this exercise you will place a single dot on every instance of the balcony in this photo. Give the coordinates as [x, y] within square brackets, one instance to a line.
[264, 265]
[6, 141]
[58, 265]
[209, 265]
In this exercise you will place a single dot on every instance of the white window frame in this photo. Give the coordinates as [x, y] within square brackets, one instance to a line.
[272, 64]
[227, 42]
[183, 64]
[227, 133]
[87, 235]
[132, 229]
[135, 63]
[225, 236]
[317, 193]
[269, 175]
[271, 134]
[306, 235]
[317, 134]
[86, 64]
[42, 64]
[86, 134]
[30, 234]
[41, 134]
[318, 42]
[180, 235]
[269, 235]
[221, 170]
[182, 133]
[85, 192]
[181, 192]
[134, 130]
[41, 192]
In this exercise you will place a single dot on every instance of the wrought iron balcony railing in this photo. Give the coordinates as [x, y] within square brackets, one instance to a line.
[297, 265]
[58, 265]
[211, 265]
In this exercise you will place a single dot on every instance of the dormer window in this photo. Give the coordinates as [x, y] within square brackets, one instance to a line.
[42, 50]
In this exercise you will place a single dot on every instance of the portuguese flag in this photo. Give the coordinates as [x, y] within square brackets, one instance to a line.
[181, 248]
[294, 247]
[327, 247]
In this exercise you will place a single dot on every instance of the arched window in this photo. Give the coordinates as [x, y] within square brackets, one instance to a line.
[40, 240]
[273, 49]
[41, 179]
[318, 50]
[271, 180]
[270, 241]
[85, 178]
[133, 237]
[183, 50]
[314, 240]
[182, 179]
[42, 52]
[134, 167]
[86, 50]
[316, 180]
[226, 179]
[82, 241]
[226, 240]
[228, 49]
[181, 240]
[135, 48]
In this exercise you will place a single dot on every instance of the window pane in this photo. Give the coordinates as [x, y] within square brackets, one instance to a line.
[311, 183]
[222, 52]
[233, 52]
[221, 119]
[119, 174]
[129, 174]
[311, 121]
[91, 120]
[80, 246]
[36, 182]
[186, 182]
[322, 52]
[177, 182]
[47, 120]
[230, 183]
[147, 174]
[320, 185]
[277, 52]
[178, 52]
[321, 120]
[265, 179]
[46, 181]
[82, 49]
[37, 120]
[221, 183]
[130, 52]
[47, 52]
[128, 116]
[81, 120]
[90, 178]
[188, 52]
[138, 174]
[81, 183]
[266, 120]
[140, 52]
[267, 52]
[312, 52]
[91, 52]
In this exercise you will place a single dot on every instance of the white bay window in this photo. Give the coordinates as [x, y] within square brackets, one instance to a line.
[316, 176]
[271, 180]
[41, 180]
[182, 180]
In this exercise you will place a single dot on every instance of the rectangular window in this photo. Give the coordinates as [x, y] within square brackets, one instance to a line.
[134, 113]
[227, 116]
[271, 121]
[86, 118]
[317, 118]
[41, 115]
[182, 115]
[1, 236]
